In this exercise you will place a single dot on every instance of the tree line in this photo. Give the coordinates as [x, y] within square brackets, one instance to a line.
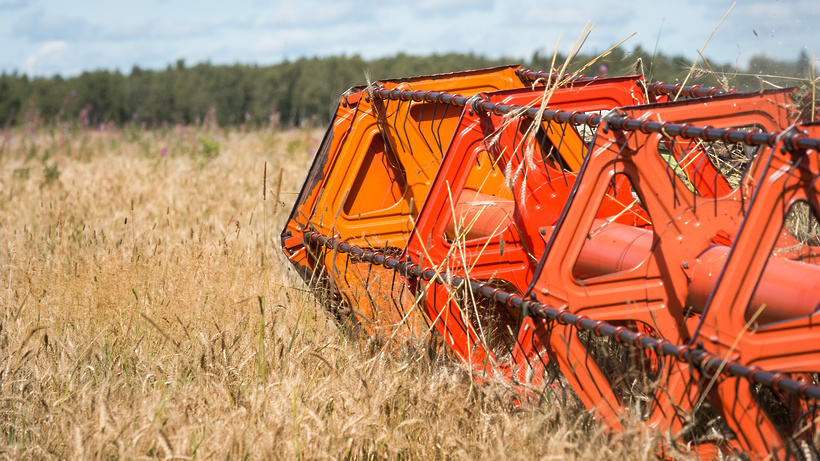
[305, 91]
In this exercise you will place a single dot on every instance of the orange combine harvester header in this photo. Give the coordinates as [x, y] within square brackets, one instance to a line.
[637, 243]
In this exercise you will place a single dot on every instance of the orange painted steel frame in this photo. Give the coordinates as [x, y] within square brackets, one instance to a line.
[791, 343]
[362, 148]
[655, 291]
[374, 169]
[483, 146]
[696, 233]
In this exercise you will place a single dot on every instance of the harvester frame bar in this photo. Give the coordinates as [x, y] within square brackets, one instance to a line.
[794, 141]
[700, 359]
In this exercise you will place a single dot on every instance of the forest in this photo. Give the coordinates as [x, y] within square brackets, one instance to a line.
[304, 92]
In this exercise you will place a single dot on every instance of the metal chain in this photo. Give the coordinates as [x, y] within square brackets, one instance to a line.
[698, 358]
[793, 141]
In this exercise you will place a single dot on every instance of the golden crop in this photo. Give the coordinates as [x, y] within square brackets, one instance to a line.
[147, 311]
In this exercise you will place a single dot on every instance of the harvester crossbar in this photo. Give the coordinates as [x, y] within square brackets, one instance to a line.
[705, 362]
[794, 141]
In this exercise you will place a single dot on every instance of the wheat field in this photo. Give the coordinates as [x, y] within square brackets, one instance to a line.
[148, 312]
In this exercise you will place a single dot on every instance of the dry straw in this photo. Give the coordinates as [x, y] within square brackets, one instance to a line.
[170, 341]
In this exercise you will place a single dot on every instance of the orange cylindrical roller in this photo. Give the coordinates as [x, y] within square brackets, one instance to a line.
[624, 247]
[617, 247]
[482, 214]
[788, 289]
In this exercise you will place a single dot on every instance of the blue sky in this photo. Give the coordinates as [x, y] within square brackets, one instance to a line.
[43, 38]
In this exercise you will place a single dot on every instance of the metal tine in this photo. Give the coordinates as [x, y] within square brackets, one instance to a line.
[587, 357]
[702, 162]
[418, 299]
[356, 288]
[490, 144]
[618, 156]
[715, 188]
[347, 282]
[432, 129]
[367, 279]
[399, 304]
[383, 126]
[517, 343]
[549, 326]
[672, 174]
[481, 317]
[515, 143]
[384, 129]
[438, 131]
[540, 357]
[328, 289]
[512, 176]
[418, 125]
[404, 125]
[564, 127]
[396, 123]
[545, 146]
[380, 108]
[361, 289]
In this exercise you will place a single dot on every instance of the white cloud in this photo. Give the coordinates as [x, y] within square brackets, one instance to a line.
[96, 34]
[49, 49]
[310, 14]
